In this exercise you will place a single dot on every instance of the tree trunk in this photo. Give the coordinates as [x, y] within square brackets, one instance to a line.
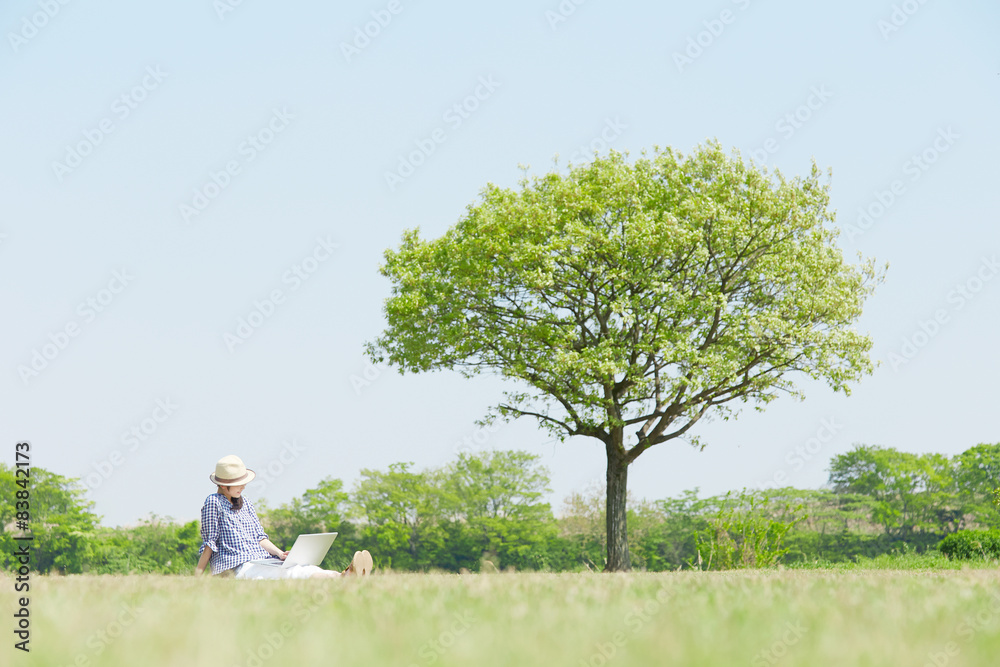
[618, 558]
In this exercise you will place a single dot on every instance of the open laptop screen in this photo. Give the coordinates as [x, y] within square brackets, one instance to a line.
[309, 549]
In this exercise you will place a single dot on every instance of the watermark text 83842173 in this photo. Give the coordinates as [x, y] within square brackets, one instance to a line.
[22, 550]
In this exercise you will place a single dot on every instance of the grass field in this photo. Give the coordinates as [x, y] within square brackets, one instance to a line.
[790, 617]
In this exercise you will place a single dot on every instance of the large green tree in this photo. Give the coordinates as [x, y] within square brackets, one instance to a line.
[628, 300]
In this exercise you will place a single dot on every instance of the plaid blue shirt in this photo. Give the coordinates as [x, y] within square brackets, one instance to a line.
[233, 536]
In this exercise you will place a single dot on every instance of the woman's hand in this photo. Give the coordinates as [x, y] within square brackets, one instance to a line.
[269, 547]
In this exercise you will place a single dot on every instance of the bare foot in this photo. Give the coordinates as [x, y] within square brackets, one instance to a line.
[361, 564]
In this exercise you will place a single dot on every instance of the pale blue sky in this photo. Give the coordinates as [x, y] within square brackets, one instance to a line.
[196, 86]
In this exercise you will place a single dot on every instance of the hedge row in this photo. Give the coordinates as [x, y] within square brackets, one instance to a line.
[967, 544]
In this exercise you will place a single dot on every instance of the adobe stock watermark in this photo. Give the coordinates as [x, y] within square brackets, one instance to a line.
[957, 298]
[223, 7]
[33, 24]
[915, 167]
[294, 277]
[900, 16]
[59, 340]
[121, 108]
[793, 121]
[368, 375]
[136, 435]
[612, 130]
[365, 34]
[271, 642]
[453, 117]
[967, 629]
[780, 648]
[100, 640]
[431, 651]
[562, 12]
[704, 39]
[248, 150]
[635, 621]
[802, 453]
[275, 467]
[478, 439]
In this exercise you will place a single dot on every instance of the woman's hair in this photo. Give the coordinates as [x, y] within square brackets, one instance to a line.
[237, 502]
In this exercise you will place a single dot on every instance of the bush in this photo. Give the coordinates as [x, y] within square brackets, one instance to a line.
[154, 546]
[847, 546]
[747, 532]
[968, 544]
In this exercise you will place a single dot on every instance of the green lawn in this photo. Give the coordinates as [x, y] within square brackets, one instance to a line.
[791, 617]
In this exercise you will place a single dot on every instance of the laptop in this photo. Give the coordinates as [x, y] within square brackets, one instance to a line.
[309, 549]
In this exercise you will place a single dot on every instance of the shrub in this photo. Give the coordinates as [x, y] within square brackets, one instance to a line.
[967, 544]
[747, 532]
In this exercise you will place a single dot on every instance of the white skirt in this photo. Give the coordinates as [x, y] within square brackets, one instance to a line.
[257, 570]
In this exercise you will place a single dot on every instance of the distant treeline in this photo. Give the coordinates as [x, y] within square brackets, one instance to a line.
[485, 510]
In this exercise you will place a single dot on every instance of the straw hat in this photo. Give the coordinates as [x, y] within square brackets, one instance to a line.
[230, 471]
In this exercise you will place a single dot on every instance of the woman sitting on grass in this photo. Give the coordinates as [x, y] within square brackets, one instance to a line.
[234, 541]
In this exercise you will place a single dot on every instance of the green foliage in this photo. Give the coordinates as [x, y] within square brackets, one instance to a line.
[155, 545]
[324, 509]
[662, 533]
[594, 280]
[921, 493]
[895, 559]
[970, 544]
[401, 511]
[61, 521]
[489, 506]
[634, 297]
[483, 505]
[746, 531]
[977, 478]
[805, 546]
[495, 484]
[497, 496]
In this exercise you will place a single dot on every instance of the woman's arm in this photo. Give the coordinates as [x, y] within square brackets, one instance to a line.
[273, 550]
[209, 532]
[203, 561]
